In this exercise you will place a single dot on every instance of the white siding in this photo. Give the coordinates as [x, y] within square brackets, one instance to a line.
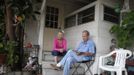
[31, 32]
[73, 34]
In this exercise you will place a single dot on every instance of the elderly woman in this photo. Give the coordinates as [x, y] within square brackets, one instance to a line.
[59, 46]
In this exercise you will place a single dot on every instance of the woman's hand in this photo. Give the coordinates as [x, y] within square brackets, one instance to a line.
[61, 50]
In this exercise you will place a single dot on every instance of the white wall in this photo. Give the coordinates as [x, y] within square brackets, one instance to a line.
[31, 28]
[49, 35]
[104, 37]
[73, 34]
[31, 31]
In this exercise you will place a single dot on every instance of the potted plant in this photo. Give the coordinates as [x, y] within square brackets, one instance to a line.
[11, 57]
[3, 54]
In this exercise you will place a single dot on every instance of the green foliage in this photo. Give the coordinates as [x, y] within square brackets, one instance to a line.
[2, 31]
[2, 24]
[10, 47]
[23, 7]
[125, 32]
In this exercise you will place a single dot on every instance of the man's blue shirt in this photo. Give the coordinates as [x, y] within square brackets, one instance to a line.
[87, 46]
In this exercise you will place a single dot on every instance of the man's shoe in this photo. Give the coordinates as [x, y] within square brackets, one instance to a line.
[55, 67]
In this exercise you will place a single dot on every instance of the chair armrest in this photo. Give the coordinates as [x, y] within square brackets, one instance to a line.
[108, 55]
[101, 59]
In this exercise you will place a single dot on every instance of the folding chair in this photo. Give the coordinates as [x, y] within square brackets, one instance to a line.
[88, 64]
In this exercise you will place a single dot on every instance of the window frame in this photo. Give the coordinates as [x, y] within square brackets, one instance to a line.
[52, 17]
[110, 15]
[77, 18]
[89, 15]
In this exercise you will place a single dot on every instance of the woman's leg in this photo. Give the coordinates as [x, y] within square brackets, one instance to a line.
[55, 54]
[56, 59]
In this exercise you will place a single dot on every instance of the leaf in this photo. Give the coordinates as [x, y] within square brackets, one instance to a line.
[125, 32]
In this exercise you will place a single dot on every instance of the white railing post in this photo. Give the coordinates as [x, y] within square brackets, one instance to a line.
[41, 31]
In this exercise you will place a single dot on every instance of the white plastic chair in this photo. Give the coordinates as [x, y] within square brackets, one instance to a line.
[119, 63]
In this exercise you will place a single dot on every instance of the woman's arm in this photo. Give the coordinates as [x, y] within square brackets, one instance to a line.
[54, 45]
[65, 44]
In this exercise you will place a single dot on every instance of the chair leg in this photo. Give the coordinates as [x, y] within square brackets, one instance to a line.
[88, 69]
[112, 73]
[90, 72]
[119, 72]
[99, 71]
[126, 72]
[76, 69]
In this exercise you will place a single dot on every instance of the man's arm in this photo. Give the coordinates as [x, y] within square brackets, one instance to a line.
[85, 53]
[91, 51]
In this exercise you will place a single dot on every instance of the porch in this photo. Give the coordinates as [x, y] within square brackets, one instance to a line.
[73, 19]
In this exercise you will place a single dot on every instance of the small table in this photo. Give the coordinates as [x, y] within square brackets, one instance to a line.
[130, 62]
[130, 66]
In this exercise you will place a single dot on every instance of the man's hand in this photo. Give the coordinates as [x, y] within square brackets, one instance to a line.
[83, 53]
[87, 54]
[78, 53]
[75, 50]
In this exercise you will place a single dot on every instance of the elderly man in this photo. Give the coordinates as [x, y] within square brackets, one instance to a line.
[83, 52]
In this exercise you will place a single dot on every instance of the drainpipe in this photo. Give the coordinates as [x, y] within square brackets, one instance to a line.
[41, 31]
[125, 9]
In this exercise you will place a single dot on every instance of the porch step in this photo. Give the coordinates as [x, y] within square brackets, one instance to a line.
[51, 72]
[48, 70]
[47, 56]
[46, 64]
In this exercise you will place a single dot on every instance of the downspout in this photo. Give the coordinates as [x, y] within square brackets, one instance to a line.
[41, 31]
[125, 9]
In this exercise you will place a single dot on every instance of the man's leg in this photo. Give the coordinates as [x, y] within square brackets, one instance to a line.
[70, 53]
[68, 63]
[73, 58]
[62, 62]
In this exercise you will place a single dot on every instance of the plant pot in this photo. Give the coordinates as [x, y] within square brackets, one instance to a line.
[2, 58]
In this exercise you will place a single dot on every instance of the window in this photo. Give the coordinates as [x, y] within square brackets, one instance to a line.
[70, 21]
[111, 15]
[51, 17]
[86, 15]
